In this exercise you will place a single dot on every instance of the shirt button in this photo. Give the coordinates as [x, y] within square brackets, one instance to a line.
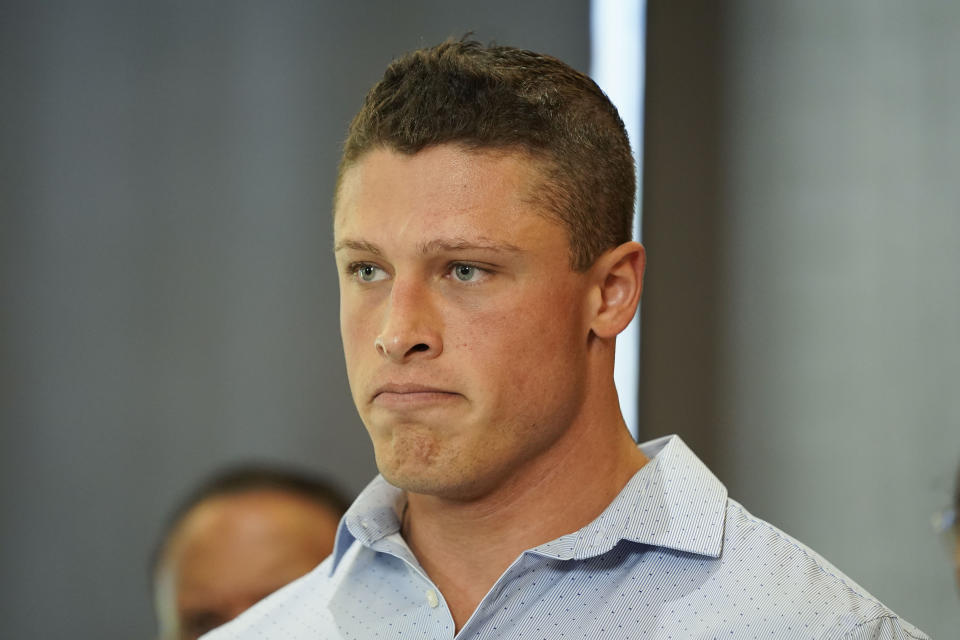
[364, 524]
[432, 599]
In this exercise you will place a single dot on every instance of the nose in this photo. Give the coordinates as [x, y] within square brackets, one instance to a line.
[411, 328]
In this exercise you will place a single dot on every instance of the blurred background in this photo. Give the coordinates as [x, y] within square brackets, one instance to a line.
[168, 302]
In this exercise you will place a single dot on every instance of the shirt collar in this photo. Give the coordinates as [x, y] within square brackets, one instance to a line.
[674, 501]
[374, 515]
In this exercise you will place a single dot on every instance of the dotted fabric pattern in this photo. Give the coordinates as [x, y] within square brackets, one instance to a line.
[672, 557]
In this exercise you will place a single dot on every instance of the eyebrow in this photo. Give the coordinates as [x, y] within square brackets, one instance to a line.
[436, 246]
[358, 245]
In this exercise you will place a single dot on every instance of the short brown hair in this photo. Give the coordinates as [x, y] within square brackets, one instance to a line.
[497, 97]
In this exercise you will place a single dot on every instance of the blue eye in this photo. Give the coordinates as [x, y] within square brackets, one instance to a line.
[367, 272]
[465, 272]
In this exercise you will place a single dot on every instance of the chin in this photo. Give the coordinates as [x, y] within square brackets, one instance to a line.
[441, 481]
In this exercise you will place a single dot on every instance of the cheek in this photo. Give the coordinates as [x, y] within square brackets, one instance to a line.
[545, 328]
[358, 347]
[488, 339]
[525, 347]
[352, 336]
[356, 325]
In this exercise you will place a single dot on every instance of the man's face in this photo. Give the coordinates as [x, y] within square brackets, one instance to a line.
[465, 330]
[231, 551]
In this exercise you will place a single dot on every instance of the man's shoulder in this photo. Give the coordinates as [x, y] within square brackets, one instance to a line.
[791, 581]
[297, 610]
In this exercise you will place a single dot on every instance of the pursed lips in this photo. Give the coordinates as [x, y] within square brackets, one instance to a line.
[410, 395]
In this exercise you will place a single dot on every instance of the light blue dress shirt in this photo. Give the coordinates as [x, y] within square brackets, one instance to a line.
[670, 557]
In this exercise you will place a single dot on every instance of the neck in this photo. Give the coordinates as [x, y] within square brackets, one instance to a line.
[465, 546]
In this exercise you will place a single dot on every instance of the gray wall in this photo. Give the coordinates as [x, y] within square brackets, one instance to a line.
[802, 313]
[168, 296]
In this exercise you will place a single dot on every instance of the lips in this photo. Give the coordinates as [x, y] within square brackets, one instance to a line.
[410, 395]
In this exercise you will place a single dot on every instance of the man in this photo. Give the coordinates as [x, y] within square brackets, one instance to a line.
[240, 536]
[482, 227]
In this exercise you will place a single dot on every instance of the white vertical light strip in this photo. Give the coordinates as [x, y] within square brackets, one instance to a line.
[617, 33]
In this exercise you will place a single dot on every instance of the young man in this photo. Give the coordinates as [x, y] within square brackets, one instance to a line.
[482, 230]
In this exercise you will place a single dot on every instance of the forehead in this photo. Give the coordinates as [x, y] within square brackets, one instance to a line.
[236, 548]
[440, 184]
[247, 538]
[263, 514]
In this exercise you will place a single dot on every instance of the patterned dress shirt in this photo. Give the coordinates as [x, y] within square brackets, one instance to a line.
[670, 557]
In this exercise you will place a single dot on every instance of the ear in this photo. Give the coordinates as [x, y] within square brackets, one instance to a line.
[618, 282]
